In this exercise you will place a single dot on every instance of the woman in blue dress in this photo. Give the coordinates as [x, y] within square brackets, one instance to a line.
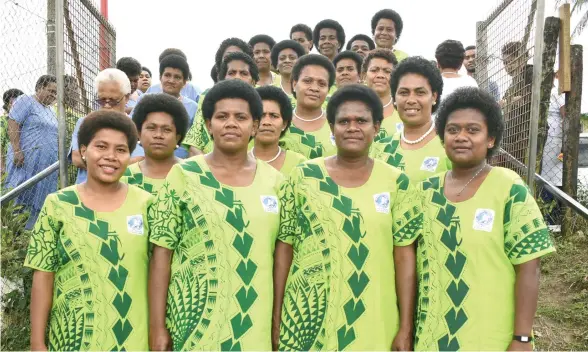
[32, 129]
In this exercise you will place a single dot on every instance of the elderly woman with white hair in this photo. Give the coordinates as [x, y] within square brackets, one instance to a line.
[113, 89]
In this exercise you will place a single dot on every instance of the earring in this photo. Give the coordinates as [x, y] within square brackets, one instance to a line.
[395, 104]
[434, 103]
[490, 145]
[139, 142]
[177, 146]
[84, 158]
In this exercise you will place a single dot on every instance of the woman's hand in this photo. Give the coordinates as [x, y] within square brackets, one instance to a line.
[160, 340]
[18, 158]
[402, 341]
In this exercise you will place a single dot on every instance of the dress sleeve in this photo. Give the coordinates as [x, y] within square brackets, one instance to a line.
[197, 135]
[526, 237]
[42, 253]
[21, 109]
[165, 216]
[407, 212]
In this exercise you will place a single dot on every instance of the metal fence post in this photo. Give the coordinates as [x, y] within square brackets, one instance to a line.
[536, 93]
[60, 68]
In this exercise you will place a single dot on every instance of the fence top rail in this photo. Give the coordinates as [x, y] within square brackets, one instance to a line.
[497, 11]
[94, 11]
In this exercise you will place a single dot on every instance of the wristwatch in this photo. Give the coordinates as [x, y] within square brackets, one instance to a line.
[523, 338]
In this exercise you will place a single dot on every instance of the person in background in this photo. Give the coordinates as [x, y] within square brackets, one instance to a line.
[450, 56]
[190, 90]
[213, 76]
[236, 65]
[8, 99]
[214, 226]
[386, 28]
[347, 68]
[231, 45]
[73, 112]
[345, 263]
[32, 131]
[162, 122]
[302, 34]
[469, 62]
[309, 134]
[112, 89]
[145, 79]
[361, 44]
[276, 118]
[483, 237]
[132, 68]
[417, 86]
[284, 56]
[329, 37]
[376, 71]
[262, 45]
[90, 250]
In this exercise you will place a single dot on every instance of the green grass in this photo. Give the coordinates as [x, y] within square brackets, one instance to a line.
[562, 315]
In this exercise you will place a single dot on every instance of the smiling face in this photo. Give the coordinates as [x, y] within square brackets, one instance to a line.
[172, 81]
[385, 33]
[354, 129]
[312, 86]
[466, 138]
[261, 55]
[286, 60]
[378, 76]
[361, 47]
[328, 44]
[232, 125]
[159, 136]
[107, 156]
[414, 99]
[346, 73]
[271, 124]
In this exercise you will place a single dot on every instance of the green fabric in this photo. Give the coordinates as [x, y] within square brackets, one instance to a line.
[310, 144]
[134, 176]
[341, 294]
[197, 135]
[100, 261]
[389, 126]
[466, 262]
[278, 83]
[221, 288]
[418, 164]
[292, 159]
[400, 55]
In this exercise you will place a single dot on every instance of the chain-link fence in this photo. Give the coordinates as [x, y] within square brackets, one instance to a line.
[50, 49]
[510, 43]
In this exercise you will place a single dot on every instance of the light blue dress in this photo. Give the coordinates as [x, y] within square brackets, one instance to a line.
[38, 141]
[82, 173]
[190, 90]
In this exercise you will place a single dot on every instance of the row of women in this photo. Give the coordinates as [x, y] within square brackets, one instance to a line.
[412, 241]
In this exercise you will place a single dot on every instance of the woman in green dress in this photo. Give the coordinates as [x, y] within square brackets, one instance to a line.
[214, 225]
[277, 116]
[347, 68]
[162, 122]
[483, 237]
[377, 71]
[309, 134]
[416, 150]
[347, 229]
[387, 27]
[89, 250]
[284, 57]
[235, 65]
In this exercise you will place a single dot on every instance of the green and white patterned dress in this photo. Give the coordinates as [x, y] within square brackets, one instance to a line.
[315, 144]
[341, 293]
[134, 176]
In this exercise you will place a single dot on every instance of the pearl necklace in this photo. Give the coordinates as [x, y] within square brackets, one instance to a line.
[420, 139]
[390, 102]
[308, 120]
[282, 86]
[268, 161]
[471, 179]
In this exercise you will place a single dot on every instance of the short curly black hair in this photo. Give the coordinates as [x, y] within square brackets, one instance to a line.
[240, 43]
[232, 89]
[214, 73]
[450, 54]
[172, 51]
[162, 103]
[308, 60]
[130, 66]
[175, 61]
[262, 38]
[472, 98]
[277, 95]
[470, 47]
[301, 27]
[44, 81]
[391, 15]
[422, 67]
[237, 56]
[355, 92]
[146, 70]
[385, 54]
[332, 24]
[286, 44]
[12, 93]
[107, 119]
[348, 54]
[365, 38]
